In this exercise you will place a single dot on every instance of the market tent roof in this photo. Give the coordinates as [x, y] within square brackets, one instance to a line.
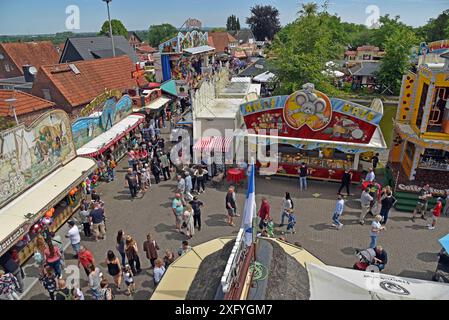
[365, 68]
[170, 87]
[445, 242]
[207, 144]
[43, 195]
[199, 50]
[158, 103]
[179, 276]
[108, 138]
[407, 133]
[332, 283]
[264, 77]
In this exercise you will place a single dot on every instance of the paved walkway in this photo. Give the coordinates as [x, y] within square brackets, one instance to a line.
[411, 247]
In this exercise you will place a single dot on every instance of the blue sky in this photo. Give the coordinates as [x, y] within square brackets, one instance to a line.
[48, 16]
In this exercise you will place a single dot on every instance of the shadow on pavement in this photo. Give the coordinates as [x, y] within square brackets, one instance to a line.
[349, 251]
[322, 226]
[428, 256]
[426, 275]
[216, 220]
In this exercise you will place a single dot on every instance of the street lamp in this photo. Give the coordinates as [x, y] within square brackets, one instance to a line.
[110, 27]
[11, 107]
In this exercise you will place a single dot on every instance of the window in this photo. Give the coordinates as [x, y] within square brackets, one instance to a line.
[7, 67]
[410, 149]
[46, 93]
[437, 110]
[422, 103]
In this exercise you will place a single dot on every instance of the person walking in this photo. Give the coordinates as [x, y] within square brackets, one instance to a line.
[436, 213]
[75, 238]
[181, 186]
[376, 228]
[156, 170]
[188, 223]
[84, 218]
[128, 276]
[196, 206]
[98, 219]
[200, 174]
[132, 254]
[287, 205]
[132, 182]
[114, 269]
[178, 210]
[63, 293]
[150, 247]
[159, 271]
[111, 165]
[9, 265]
[132, 159]
[370, 176]
[85, 259]
[264, 213]
[169, 258]
[423, 199]
[291, 222]
[345, 181]
[8, 285]
[105, 291]
[230, 206]
[303, 173]
[48, 280]
[387, 202]
[365, 201]
[95, 277]
[53, 257]
[165, 166]
[446, 206]
[338, 211]
[189, 186]
[375, 161]
[120, 246]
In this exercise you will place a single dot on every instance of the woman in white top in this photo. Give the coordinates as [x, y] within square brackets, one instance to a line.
[188, 222]
[200, 177]
[376, 228]
[158, 271]
[287, 206]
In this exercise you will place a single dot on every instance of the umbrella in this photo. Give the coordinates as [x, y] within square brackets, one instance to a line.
[445, 242]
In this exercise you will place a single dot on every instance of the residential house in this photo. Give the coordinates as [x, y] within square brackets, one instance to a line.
[71, 86]
[363, 53]
[223, 42]
[145, 53]
[364, 74]
[244, 36]
[15, 55]
[24, 106]
[134, 40]
[91, 48]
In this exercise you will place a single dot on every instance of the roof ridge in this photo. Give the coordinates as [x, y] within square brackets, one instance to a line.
[27, 94]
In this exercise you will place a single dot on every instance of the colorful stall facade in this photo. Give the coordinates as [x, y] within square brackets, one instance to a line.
[420, 150]
[328, 134]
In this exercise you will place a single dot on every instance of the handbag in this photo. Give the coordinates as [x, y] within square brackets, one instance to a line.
[184, 224]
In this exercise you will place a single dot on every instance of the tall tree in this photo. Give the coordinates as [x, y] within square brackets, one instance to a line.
[436, 29]
[160, 33]
[396, 61]
[118, 29]
[264, 22]
[233, 23]
[301, 49]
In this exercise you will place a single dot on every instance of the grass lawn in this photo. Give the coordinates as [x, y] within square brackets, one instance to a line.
[386, 124]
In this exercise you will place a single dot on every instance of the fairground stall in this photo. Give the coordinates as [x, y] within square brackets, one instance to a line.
[328, 134]
[41, 181]
[186, 57]
[106, 126]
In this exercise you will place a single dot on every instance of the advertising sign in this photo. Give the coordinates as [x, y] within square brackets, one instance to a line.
[310, 114]
[30, 154]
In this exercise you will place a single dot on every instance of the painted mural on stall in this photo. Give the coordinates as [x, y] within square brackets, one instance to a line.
[191, 39]
[310, 114]
[103, 117]
[29, 154]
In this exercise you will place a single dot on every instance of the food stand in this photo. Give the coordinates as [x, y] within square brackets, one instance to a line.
[328, 134]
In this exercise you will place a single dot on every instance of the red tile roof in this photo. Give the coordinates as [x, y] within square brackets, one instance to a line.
[368, 48]
[146, 49]
[25, 103]
[36, 54]
[93, 78]
[220, 40]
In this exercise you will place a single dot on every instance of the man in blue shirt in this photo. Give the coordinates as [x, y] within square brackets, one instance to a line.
[97, 218]
[339, 207]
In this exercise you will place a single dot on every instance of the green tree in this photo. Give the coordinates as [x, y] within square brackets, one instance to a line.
[118, 29]
[6, 123]
[301, 49]
[388, 27]
[396, 61]
[233, 23]
[264, 22]
[160, 33]
[219, 30]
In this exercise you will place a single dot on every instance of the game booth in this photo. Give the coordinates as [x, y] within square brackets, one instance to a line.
[328, 134]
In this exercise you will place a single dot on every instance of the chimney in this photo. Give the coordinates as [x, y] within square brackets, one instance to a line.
[29, 72]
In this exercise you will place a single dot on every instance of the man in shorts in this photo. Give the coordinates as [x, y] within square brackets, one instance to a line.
[421, 207]
[178, 210]
[230, 206]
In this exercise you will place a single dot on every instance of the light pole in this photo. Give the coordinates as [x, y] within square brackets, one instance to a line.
[11, 107]
[110, 27]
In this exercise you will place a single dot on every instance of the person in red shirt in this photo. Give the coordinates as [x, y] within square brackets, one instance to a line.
[436, 213]
[264, 213]
[86, 259]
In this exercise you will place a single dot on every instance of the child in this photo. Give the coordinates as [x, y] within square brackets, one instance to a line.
[436, 214]
[147, 176]
[48, 280]
[291, 222]
[129, 280]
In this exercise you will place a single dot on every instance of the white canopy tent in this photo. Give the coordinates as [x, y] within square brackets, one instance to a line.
[332, 283]
[265, 77]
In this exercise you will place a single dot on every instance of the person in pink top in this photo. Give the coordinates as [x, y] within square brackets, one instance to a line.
[53, 257]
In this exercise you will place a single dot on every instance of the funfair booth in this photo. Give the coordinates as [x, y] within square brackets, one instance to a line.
[328, 134]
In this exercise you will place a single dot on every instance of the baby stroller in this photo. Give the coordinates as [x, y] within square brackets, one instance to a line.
[366, 260]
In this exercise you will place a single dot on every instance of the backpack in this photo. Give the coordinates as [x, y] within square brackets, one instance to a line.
[68, 296]
[112, 164]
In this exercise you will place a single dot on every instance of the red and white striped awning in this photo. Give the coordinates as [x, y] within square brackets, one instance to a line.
[208, 144]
